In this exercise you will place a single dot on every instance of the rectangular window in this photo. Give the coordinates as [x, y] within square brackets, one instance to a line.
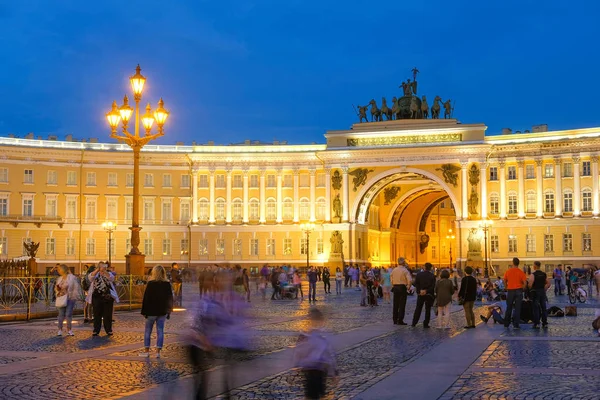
[238, 183]
[184, 211]
[166, 247]
[220, 247]
[433, 225]
[184, 245]
[148, 247]
[531, 202]
[304, 180]
[549, 243]
[71, 178]
[185, 181]
[433, 252]
[148, 210]
[203, 181]
[288, 181]
[28, 207]
[567, 242]
[287, 246]
[203, 247]
[91, 179]
[90, 209]
[111, 209]
[148, 180]
[220, 181]
[494, 244]
[271, 181]
[494, 205]
[512, 243]
[112, 179]
[548, 170]
[549, 206]
[586, 241]
[586, 198]
[237, 247]
[50, 246]
[253, 181]
[4, 206]
[567, 170]
[70, 246]
[253, 247]
[320, 246]
[270, 247]
[3, 246]
[512, 204]
[90, 247]
[321, 180]
[128, 209]
[443, 204]
[586, 169]
[28, 178]
[71, 208]
[52, 178]
[167, 211]
[3, 175]
[51, 207]
[530, 243]
[512, 173]
[303, 247]
[530, 171]
[129, 180]
[493, 173]
[166, 183]
[568, 202]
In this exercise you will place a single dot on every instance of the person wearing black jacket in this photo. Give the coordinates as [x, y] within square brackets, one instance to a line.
[156, 308]
[468, 294]
[425, 288]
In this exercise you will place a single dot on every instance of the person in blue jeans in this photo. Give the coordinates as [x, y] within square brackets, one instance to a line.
[156, 308]
[312, 284]
[557, 275]
[67, 285]
[539, 283]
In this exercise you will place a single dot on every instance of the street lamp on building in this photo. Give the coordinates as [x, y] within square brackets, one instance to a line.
[307, 228]
[109, 227]
[486, 225]
[450, 236]
[122, 114]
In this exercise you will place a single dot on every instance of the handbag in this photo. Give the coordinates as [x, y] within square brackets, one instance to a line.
[61, 301]
[461, 300]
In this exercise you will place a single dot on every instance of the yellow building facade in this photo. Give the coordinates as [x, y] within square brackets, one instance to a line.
[421, 189]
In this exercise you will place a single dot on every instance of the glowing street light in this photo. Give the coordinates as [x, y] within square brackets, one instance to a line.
[307, 228]
[485, 225]
[450, 236]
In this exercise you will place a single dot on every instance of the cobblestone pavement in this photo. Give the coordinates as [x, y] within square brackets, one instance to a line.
[8, 360]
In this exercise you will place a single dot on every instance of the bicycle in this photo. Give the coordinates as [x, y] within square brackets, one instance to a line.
[577, 294]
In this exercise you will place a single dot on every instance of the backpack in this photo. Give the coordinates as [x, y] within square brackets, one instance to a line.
[555, 312]
[85, 283]
[596, 324]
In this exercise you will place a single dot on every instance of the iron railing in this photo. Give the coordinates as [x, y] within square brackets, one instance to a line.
[25, 298]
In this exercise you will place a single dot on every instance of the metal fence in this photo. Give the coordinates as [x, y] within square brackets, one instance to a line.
[25, 298]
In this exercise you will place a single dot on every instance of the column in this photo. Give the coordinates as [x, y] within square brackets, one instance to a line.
[502, 177]
[262, 216]
[194, 196]
[228, 201]
[279, 196]
[313, 198]
[245, 218]
[211, 200]
[576, 187]
[558, 198]
[327, 194]
[539, 180]
[483, 182]
[521, 194]
[296, 195]
[464, 183]
[595, 199]
[345, 194]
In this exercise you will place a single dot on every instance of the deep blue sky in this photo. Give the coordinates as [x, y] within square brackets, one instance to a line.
[231, 70]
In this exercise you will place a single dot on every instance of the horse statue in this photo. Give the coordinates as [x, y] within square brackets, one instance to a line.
[385, 110]
[447, 109]
[424, 108]
[435, 108]
[375, 112]
[414, 108]
[395, 108]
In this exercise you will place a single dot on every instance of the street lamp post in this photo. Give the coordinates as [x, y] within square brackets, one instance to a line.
[485, 225]
[109, 227]
[135, 258]
[307, 228]
[450, 236]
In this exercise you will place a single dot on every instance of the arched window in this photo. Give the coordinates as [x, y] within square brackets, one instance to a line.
[237, 209]
[512, 203]
[254, 209]
[321, 208]
[586, 200]
[304, 209]
[271, 209]
[288, 209]
[548, 201]
[220, 208]
[203, 209]
[531, 202]
[494, 203]
[568, 200]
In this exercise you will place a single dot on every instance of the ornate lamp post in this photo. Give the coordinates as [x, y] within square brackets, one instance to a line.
[450, 236]
[109, 227]
[135, 258]
[307, 228]
[485, 226]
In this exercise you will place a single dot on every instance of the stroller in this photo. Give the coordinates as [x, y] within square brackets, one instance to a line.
[288, 292]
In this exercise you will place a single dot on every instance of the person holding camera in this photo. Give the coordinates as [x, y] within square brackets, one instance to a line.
[102, 295]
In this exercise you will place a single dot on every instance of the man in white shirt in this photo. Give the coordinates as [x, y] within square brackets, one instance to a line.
[401, 280]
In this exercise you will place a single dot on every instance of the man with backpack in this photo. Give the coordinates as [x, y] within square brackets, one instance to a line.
[538, 283]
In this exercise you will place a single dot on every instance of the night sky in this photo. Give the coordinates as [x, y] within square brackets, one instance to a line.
[231, 70]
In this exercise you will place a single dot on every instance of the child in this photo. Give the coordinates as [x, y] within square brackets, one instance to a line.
[315, 357]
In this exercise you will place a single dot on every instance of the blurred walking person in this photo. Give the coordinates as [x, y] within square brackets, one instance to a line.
[444, 289]
[338, 281]
[68, 292]
[157, 307]
[468, 294]
[176, 283]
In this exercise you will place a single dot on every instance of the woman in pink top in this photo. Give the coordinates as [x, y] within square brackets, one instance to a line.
[298, 283]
